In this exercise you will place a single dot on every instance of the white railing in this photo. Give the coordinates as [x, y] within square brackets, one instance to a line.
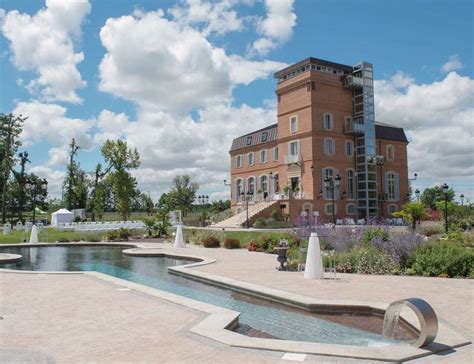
[292, 158]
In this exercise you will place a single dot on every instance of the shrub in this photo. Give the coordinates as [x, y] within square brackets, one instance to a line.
[370, 260]
[375, 233]
[120, 234]
[442, 258]
[211, 242]
[400, 246]
[277, 215]
[252, 246]
[63, 240]
[93, 238]
[230, 243]
[432, 229]
[260, 223]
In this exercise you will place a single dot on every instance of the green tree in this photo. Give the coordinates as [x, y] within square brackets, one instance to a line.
[70, 182]
[121, 160]
[184, 193]
[166, 202]
[432, 195]
[412, 211]
[10, 129]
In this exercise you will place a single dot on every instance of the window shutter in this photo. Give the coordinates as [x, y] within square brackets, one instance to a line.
[337, 190]
[397, 187]
[326, 146]
[323, 176]
[386, 189]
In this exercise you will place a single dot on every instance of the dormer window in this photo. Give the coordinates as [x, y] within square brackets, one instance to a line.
[264, 137]
[249, 140]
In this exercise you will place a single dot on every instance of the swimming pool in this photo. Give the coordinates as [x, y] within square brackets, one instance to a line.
[264, 317]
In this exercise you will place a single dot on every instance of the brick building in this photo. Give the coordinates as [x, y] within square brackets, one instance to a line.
[325, 150]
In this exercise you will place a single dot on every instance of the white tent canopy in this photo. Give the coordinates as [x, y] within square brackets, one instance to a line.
[61, 216]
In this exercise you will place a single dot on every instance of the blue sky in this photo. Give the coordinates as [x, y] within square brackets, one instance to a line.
[421, 50]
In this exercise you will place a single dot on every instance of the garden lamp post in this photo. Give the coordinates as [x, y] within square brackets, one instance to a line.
[462, 199]
[248, 195]
[35, 187]
[203, 200]
[417, 194]
[445, 188]
[332, 184]
[225, 183]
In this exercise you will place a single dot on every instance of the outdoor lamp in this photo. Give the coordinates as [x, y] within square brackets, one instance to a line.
[326, 182]
[207, 198]
[462, 198]
[338, 180]
[44, 184]
[445, 188]
[417, 193]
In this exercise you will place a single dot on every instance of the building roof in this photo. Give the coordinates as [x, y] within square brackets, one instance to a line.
[390, 132]
[382, 131]
[312, 60]
[255, 138]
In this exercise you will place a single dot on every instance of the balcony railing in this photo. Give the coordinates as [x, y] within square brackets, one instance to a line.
[352, 81]
[353, 127]
[292, 158]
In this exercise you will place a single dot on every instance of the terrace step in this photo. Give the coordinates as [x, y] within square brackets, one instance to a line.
[238, 220]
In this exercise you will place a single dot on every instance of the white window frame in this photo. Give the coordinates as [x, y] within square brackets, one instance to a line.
[351, 143]
[266, 181]
[351, 205]
[390, 147]
[238, 158]
[264, 153]
[275, 154]
[392, 186]
[354, 192]
[328, 208]
[327, 148]
[253, 158]
[331, 121]
[298, 148]
[237, 195]
[392, 205]
[254, 184]
[295, 118]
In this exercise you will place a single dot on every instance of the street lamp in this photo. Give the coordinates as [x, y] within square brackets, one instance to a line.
[35, 186]
[248, 196]
[417, 194]
[225, 183]
[332, 184]
[462, 199]
[380, 161]
[445, 188]
[203, 200]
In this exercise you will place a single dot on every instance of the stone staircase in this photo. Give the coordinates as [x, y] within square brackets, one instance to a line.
[238, 220]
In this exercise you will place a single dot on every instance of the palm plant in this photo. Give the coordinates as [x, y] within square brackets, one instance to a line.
[150, 225]
[412, 211]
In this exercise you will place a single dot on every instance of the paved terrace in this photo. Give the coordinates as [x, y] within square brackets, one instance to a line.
[78, 318]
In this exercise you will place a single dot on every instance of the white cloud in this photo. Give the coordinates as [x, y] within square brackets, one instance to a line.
[454, 63]
[44, 43]
[110, 125]
[243, 71]
[153, 62]
[210, 17]
[49, 123]
[438, 120]
[58, 156]
[277, 27]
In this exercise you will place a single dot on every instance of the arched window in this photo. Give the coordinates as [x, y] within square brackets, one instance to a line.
[329, 146]
[350, 183]
[392, 208]
[330, 173]
[349, 148]
[392, 188]
[351, 209]
[328, 209]
[327, 119]
[276, 183]
[347, 123]
[390, 152]
[251, 185]
[264, 183]
[239, 188]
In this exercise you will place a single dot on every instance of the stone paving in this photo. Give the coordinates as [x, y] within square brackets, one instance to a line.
[78, 318]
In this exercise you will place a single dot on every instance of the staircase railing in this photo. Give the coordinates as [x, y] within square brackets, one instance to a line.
[221, 216]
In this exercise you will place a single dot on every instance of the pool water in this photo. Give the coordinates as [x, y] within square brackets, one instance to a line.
[277, 320]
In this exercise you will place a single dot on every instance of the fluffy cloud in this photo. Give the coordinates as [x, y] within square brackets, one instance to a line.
[55, 179]
[110, 125]
[454, 63]
[49, 123]
[211, 17]
[438, 120]
[44, 43]
[277, 27]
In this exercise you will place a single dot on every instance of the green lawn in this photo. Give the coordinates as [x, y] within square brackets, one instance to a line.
[50, 235]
